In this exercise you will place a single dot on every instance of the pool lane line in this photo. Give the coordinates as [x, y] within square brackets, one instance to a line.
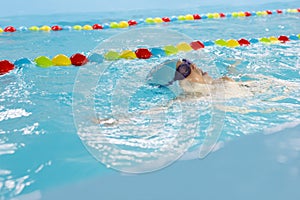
[79, 59]
[149, 20]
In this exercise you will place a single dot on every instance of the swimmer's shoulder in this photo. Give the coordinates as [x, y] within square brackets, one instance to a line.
[223, 80]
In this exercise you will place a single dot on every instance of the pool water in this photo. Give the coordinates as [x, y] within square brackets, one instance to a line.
[44, 150]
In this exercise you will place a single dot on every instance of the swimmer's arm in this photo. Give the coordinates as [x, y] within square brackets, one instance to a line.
[223, 79]
[231, 68]
[226, 78]
[129, 116]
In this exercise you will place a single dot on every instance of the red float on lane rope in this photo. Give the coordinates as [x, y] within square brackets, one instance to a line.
[166, 19]
[56, 28]
[222, 15]
[196, 16]
[6, 66]
[78, 59]
[269, 12]
[97, 27]
[283, 38]
[243, 42]
[10, 29]
[132, 23]
[247, 14]
[197, 45]
[143, 53]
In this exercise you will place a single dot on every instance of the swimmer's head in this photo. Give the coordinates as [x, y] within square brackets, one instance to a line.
[186, 70]
[183, 69]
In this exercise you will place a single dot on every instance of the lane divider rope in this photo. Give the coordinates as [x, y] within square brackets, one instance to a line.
[79, 59]
[149, 20]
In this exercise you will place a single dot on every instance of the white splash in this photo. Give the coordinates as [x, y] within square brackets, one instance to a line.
[281, 127]
[7, 148]
[13, 113]
[28, 130]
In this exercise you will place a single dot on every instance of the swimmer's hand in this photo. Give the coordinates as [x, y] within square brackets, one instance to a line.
[226, 78]
[106, 121]
[123, 119]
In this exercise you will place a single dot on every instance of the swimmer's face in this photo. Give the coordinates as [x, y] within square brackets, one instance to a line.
[193, 67]
[183, 69]
[196, 74]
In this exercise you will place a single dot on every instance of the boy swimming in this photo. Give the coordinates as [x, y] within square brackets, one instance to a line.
[194, 81]
[197, 84]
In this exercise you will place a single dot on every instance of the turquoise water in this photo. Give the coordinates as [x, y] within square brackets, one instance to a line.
[42, 155]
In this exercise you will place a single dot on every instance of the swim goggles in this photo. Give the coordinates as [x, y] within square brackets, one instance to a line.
[183, 70]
